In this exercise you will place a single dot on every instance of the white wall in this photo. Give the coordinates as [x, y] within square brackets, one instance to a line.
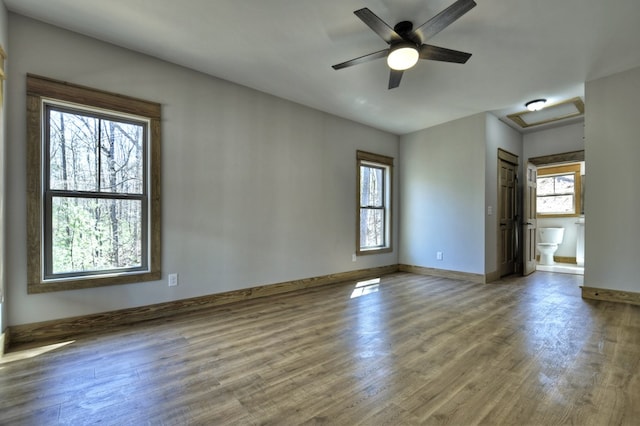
[442, 198]
[3, 147]
[498, 136]
[612, 199]
[256, 189]
[555, 140]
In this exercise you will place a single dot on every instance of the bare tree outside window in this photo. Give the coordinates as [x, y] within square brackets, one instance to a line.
[372, 207]
[558, 190]
[93, 187]
[96, 192]
[374, 203]
[556, 194]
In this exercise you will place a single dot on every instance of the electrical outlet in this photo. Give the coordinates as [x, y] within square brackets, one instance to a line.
[173, 280]
[354, 257]
[439, 255]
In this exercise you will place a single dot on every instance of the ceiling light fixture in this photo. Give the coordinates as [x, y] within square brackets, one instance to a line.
[565, 110]
[402, 56]
[536, 104]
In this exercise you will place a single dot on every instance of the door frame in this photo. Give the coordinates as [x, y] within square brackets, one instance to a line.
[563, 157]
[529, 220]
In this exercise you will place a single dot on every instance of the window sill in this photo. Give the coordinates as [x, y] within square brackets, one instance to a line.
[374, 251]
[76, 284]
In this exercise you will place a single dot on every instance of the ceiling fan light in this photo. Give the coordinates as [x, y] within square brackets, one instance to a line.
[536, 104]
[402, 57]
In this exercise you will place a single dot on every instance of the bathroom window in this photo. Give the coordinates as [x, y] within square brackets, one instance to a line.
[558, 191]
[374, 203]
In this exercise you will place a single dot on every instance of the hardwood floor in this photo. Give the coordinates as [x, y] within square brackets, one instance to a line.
[408, 350]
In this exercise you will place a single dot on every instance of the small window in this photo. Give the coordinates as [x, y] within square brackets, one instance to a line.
[374, 203]
[93, 179]
[558, 191]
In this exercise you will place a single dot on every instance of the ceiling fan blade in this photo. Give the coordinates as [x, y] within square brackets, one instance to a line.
[394, 78]
[435, 53]
[366, 58]
[387, 33]
[443, 19]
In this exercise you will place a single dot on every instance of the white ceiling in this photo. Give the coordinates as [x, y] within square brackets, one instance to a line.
[522, 49]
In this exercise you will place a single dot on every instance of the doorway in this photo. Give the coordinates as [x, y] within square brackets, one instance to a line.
[569, 257]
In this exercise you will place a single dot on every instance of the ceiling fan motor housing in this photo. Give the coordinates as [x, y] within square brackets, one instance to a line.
[404, 28]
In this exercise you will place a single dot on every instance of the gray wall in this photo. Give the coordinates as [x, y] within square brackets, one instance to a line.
[443, 196]
[449, 179]
[499, 136]
[256, 190]
[612, 199]
[3, 148]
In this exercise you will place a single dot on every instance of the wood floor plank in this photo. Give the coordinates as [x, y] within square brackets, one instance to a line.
[410, 349]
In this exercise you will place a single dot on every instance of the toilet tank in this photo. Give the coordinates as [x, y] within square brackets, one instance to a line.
[551, 235]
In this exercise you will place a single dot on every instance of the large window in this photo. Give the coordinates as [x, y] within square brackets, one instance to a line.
[93, 176]
[374, 203]
[558, 191]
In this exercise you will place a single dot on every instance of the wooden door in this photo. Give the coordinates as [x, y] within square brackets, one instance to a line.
[507, 210]
[529, 222]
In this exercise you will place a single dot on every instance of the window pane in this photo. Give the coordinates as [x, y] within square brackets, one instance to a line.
[121, 157]
[371, 186]
[560, 204]
[564, 184]
[544, 186]
[72, 150]
[95, 234]
[371, 228]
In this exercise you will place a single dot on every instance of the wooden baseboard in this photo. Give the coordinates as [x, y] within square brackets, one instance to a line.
[444, 273]
[492, 276]
[4, 342]
[67, 328]
[565, 259]
[610, 295]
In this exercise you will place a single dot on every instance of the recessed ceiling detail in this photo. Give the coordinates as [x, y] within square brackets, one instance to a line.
[560, 111]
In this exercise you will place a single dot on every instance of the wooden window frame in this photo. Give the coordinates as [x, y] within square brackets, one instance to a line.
[564, 170]
[385, 163]
[39, 90]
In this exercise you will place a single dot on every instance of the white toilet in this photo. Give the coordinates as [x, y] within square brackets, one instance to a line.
[549, 240]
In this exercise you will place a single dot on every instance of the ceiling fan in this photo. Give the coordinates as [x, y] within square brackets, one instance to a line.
[406, 44]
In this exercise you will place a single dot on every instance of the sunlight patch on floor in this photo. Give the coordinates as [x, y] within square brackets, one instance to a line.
[365, 287]
[31, 352]
[563, 268]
